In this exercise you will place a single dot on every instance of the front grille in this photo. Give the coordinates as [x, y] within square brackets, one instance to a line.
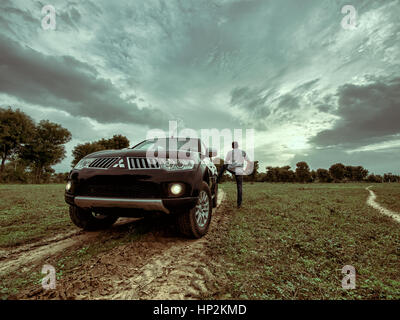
[103, 163]
[119, 187]
[143, 163]
[132, 191]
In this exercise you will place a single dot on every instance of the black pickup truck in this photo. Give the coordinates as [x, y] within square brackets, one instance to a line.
[170, 175]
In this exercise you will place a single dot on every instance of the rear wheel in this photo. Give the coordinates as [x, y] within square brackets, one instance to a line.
[195, 222]
[89, 220]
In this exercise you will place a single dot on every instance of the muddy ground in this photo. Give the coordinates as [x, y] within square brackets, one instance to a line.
[160, 265]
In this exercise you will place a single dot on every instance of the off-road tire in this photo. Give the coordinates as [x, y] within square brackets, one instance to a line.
[187, 222]
[86, 220]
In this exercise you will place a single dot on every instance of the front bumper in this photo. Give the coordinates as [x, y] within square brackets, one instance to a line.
[96, 202]
[170, 205]
[144, 190]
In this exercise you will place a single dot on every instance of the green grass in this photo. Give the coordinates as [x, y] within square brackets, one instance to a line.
[29, 213]
[290, 241]
[32, 212]
[388, 195]
[72, 258]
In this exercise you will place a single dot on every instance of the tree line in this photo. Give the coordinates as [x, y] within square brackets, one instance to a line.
[337, 172]
[28, 150]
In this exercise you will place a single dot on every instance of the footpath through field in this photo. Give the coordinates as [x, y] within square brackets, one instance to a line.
[371, 201]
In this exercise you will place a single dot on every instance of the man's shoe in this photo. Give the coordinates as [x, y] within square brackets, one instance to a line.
[239, 206]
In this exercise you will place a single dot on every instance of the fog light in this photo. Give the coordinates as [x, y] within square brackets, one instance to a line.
[176, 189]
[68, 186]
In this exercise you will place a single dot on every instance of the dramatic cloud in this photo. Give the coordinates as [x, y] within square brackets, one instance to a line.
[366, 113]
[284, 68]
[67, 84]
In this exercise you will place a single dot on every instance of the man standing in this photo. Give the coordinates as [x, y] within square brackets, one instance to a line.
[234, 163]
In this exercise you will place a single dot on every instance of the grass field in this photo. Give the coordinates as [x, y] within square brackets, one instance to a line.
[288, 241]
[388, 195]
[31, 212]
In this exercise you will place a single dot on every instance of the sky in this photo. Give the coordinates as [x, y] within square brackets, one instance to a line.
[312, 89]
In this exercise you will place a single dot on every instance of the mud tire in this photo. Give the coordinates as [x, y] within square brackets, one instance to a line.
[87, 221]
[188, 223]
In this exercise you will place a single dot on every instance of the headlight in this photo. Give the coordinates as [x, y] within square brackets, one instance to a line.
[171, 164]
[84, 163]
[68, 186]
[176, 189]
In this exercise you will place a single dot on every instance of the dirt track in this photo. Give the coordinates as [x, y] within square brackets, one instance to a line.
[30, 253]
[158, 266]
[371, 202]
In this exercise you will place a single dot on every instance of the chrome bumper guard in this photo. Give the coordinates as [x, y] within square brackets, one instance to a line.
[97, 202]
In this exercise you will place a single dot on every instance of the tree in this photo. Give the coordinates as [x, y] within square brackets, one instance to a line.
[353, 173]
[303, 172]
[285, 174]
[359, 173]
[254, 174]
[271, 175]
[15, 130]
[323, 175]
[81, 150]
[313, 175]
[390, 177]
[279, 174]
[59, 177]
[337, 171]
[374, 178]
[15, 171]
[45, 148]
[117, 142]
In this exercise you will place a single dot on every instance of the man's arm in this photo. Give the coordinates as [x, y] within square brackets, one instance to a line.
[249, 166]
[246, 157]
[228, 158]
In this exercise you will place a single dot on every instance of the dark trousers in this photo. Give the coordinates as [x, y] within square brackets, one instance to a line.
[239, 182]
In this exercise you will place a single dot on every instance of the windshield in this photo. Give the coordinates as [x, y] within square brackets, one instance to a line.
[170, 144]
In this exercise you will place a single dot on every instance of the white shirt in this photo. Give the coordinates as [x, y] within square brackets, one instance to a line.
[235, 160]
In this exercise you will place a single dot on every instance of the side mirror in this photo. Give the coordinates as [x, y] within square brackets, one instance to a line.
[211, 152]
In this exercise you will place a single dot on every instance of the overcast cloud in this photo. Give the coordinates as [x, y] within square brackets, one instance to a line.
[312, 90]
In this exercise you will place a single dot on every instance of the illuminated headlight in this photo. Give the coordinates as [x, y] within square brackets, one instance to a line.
[84, 163]
[171, 164]
[68, 186]
[176, 189]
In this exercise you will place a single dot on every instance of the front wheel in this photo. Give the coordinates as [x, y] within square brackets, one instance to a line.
[195, 222]
[88, 220]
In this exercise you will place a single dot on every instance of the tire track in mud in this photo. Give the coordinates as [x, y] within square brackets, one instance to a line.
[157, 266]
[11, 260]
[371, 201]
